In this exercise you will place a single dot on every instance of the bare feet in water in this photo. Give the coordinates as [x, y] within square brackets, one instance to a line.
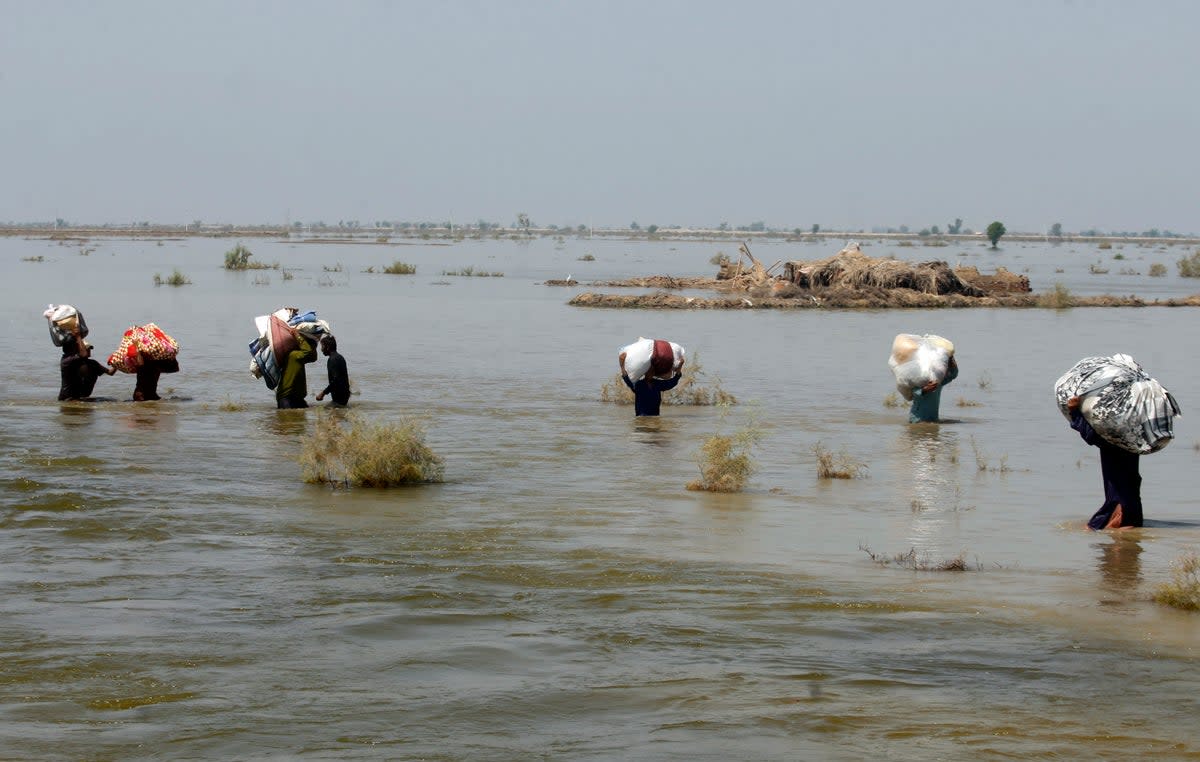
[1114, 521]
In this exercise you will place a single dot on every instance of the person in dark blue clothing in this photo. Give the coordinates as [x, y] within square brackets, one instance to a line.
[339, 380]
[647, 392]
[1122, 506]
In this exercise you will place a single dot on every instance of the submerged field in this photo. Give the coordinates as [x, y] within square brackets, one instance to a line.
[174, 588]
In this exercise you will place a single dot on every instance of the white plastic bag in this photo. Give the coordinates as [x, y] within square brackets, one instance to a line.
[917, 360]
[639, 354]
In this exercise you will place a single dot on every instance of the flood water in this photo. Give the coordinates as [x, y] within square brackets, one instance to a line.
[172, 589]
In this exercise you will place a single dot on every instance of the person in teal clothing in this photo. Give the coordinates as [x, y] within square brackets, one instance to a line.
[927, 398]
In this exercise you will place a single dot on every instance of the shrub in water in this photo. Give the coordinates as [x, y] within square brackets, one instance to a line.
[1158, 270]
[840, 465]
[1189, 267]
[400, 268]
[238, 258]
[1183, 591]
[176, 278]
[725, 460]
[349, 450]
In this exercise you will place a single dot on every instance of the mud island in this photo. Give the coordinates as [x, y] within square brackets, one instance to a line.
[848, 280]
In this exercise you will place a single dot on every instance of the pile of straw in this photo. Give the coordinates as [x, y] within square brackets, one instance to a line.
[853, 269]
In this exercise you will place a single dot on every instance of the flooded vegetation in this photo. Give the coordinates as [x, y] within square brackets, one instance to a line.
[182, 579]
[348, 450]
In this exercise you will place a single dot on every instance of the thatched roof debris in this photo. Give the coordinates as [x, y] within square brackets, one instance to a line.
[851, 268]
[1001, 282]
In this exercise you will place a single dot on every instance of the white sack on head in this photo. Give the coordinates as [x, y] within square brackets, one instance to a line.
[666, 357]
[1123, 404]
[917, 360]
[64, 320]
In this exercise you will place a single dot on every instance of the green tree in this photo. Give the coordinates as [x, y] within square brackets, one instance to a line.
[1056, 230]
[953, 228]
[994, 231]
[634, 226]
[816, 229]
[652, 229]
[523, 221]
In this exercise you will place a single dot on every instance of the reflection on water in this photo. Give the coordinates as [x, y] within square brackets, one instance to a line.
[145, 418]
[1119, 561]
[286, 423]
[932, 476]
[562, 595]
[653, 430]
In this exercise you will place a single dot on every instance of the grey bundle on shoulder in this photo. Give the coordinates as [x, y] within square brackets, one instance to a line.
[1123, 404]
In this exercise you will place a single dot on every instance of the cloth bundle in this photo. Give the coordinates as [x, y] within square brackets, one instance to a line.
[1124, 405]
[917, 360]
[63, 320]
[148, 340]
[655, 358]
[269, 351]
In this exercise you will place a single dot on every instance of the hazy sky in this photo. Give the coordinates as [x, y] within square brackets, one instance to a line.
[846, 114]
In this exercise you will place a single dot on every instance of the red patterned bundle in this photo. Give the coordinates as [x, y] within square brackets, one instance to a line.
[148, 340]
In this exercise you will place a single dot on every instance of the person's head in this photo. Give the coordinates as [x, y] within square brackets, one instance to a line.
[328, 345]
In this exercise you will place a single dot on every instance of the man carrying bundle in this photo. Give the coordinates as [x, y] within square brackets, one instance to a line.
[1122, 506]
[928, 398]
[922, 365]
[1117, 407]
[293, 383]
[651, 361]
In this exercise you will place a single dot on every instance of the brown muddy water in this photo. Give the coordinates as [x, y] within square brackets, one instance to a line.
[173, 590]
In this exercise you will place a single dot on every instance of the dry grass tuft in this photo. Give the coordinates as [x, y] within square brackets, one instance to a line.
[1158, 270]
[1183, 591]
[348, 450]
[229, 406]
[839, 465]
[914, 561]
[694, 388]
[1058, 298]
[400, 268]
[725, 460]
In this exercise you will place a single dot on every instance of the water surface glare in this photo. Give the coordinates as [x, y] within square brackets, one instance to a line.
[173, 589]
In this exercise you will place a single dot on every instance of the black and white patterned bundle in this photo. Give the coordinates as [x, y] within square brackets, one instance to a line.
[1122, 403]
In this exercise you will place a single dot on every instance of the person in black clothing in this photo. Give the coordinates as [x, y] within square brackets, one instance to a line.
[147, 377]
[339, 380]
[1122, 506]
[647, 392]
[79, 371]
